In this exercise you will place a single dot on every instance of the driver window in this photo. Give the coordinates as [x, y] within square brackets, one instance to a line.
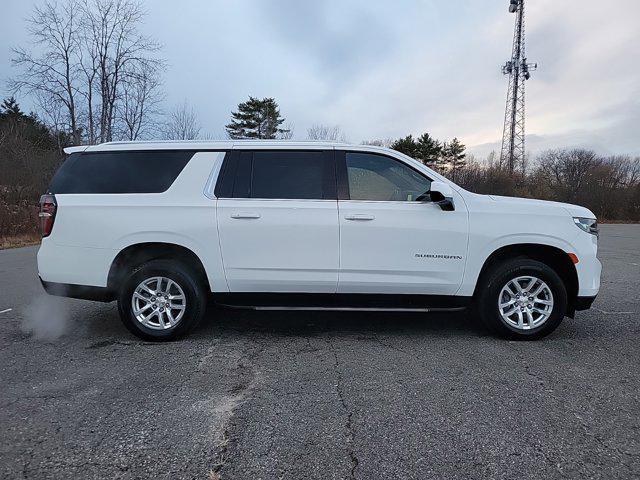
[379, 178]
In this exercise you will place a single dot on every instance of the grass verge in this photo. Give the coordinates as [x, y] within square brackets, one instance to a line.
[17, 241]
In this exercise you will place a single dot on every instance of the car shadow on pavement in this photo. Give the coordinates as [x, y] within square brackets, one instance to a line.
[102, 323]
[304, 323]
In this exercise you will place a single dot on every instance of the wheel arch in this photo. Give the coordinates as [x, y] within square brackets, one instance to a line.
[137, 254]
[554, 257]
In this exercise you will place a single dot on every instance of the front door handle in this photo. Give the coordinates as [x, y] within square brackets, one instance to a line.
[359, 216]
[245, 215]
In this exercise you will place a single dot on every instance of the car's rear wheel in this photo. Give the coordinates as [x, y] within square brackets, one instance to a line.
[161, 300]
[522, 299]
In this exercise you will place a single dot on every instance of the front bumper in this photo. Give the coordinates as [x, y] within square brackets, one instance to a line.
[583, 303]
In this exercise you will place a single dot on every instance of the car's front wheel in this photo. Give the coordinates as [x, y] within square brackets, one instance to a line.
[522, 299]
[161, 300]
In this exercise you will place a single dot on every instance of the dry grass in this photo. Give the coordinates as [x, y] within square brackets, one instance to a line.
[16, 241]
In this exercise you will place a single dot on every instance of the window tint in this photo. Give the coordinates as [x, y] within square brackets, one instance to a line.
[119, 172]
[376, 177]
[275, 174]
[242, 183]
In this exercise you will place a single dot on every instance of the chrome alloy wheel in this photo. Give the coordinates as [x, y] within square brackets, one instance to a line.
[158, 303]
[525, 302]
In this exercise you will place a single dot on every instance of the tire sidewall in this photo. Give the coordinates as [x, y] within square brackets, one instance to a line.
[183, 276]
[489, 310]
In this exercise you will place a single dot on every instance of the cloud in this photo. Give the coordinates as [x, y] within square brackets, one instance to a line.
[618, 136]
[386, 69]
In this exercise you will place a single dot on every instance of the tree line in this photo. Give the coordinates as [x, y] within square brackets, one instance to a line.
[31, 151]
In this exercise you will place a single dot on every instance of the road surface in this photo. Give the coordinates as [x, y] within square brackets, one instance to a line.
[255, 395]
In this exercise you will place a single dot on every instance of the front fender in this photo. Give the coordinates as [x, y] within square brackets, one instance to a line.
[477, 259]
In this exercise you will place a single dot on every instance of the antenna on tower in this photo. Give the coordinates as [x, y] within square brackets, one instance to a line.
[519, 71]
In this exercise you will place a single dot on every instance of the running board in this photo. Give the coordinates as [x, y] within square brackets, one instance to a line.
[342, 302]
[344, 309]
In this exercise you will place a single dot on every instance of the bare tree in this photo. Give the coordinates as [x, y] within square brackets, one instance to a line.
[54, 73]
[568, 170]
[330, 133]
[119, 51]
[95, 62]
[140, 102]
[385, 142]
[182, 124]
[53, 115]
[287, 132]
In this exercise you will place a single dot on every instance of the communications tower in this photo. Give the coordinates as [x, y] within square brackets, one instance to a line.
[519, 72]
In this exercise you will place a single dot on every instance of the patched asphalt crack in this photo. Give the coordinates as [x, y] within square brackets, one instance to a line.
[226, 409]
[348, 425]
[222, 450]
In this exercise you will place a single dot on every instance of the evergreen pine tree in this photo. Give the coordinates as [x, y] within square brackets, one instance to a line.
[454, 157]
[406, 145]
[10, 107]
[256, 118]
[429, 150]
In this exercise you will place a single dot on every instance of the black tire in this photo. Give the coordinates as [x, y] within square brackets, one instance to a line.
[181, 274]
[498, 276]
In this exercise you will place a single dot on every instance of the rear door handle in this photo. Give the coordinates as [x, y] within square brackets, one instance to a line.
[245, 215]
[359, 216]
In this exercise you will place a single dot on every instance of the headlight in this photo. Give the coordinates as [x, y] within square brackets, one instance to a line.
[589, 225]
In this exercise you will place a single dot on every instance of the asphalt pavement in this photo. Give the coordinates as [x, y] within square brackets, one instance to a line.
[295, 395]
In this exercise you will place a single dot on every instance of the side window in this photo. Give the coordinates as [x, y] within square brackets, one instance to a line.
[119, 172]
[291, 175]
[282, 174]
[379, 178]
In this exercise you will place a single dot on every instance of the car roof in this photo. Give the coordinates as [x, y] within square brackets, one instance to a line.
[203, 145]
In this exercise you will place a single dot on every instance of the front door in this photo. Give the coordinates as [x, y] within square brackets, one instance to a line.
[278, 221]
[389, 242]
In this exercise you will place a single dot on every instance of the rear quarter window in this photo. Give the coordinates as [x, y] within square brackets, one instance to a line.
[119, 172]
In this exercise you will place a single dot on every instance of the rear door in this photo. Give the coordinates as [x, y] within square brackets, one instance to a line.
[278, 221]
[389, 242]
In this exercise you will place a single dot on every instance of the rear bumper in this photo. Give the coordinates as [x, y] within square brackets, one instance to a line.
[83, 292]
[584, 303]
[74, 265]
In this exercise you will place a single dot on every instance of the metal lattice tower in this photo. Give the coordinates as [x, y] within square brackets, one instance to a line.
[519, 71]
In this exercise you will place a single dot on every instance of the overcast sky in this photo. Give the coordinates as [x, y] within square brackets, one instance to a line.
[387, 69]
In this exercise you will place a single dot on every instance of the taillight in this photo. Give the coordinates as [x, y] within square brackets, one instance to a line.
[48, 207]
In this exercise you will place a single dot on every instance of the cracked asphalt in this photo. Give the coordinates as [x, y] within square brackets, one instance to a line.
[290, 395]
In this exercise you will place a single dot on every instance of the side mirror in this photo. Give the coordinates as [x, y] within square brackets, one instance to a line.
[442, 195]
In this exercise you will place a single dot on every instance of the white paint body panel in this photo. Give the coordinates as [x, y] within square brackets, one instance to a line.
[496, 222]
[307, 245]
[393, 247]
[279, 245]
[90, 229]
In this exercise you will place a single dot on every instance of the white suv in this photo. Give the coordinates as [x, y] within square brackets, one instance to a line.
[269, 225]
